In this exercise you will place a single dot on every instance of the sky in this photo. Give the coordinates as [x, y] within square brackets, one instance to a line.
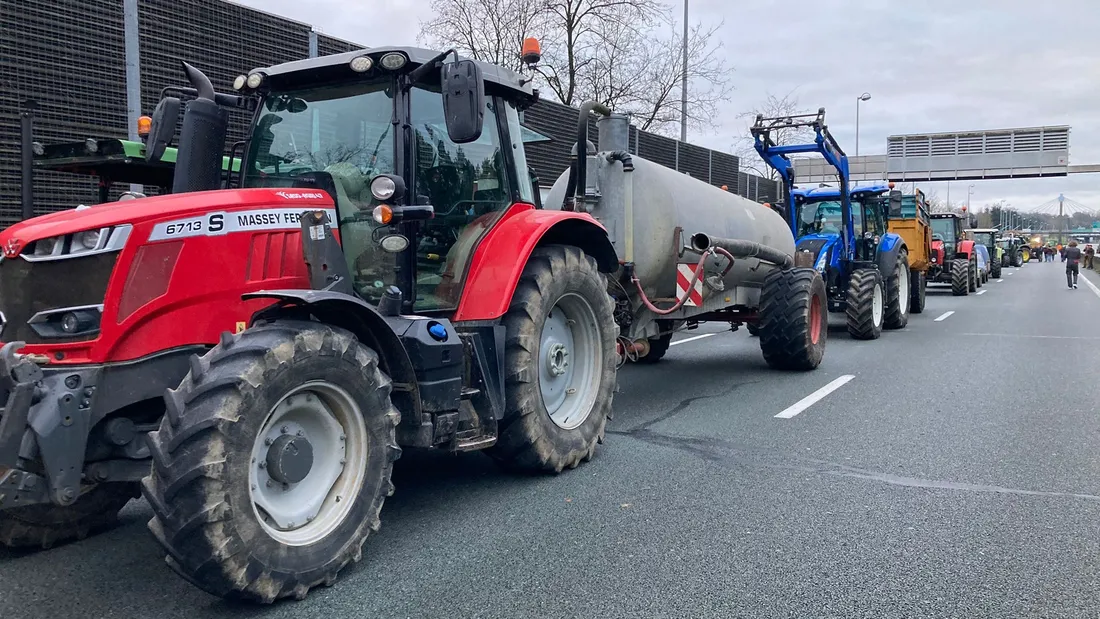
[929, 65]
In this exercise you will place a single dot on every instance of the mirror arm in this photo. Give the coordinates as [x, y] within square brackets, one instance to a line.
[418, 73]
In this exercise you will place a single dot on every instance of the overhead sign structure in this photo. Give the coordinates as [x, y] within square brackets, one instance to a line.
[1029, 152]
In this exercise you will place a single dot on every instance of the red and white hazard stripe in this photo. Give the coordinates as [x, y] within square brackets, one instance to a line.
[684, 272]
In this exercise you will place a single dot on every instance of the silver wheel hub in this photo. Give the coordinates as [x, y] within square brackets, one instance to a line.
[903, 290]
[876, 305]
[308, 462]
[570, 361]
[557, 359]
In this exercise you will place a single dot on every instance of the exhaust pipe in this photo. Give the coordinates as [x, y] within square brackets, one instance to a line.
[202, 138]
[740, 248]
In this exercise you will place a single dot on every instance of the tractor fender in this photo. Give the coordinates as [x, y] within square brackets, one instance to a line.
[502, 254]
[965, 249]
[363, 320]
[889, 246]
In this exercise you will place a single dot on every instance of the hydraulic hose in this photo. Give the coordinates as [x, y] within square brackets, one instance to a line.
[742, 249]
[691, 284]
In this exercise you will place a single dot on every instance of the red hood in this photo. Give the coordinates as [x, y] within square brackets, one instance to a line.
[156, 207]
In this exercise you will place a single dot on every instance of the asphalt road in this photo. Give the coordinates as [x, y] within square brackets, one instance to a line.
[956, 474]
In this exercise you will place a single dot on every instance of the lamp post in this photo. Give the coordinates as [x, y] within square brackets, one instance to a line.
[864, 97]
[684, 79]
[969, 192]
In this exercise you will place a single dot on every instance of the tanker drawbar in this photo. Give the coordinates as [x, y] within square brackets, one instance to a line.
[690, 252]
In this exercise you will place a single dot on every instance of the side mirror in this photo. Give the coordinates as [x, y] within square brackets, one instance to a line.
[463, 100]
[162, 128]
[893, 204]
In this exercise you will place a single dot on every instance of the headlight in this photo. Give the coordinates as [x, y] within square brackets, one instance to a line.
[89, 239]
[254, 80]
[240, 82]
[361, 64]
[382, 187]
[393, 61]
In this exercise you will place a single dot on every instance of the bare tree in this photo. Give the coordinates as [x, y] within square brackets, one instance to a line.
[647, 84]
[487, 30]
[617, 52]
[772, 107]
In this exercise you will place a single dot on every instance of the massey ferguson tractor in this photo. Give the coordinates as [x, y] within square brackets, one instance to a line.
[841, 231]
[954, 260]
[255, 359]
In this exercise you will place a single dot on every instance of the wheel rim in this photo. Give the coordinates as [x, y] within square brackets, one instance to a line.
[876, 305]
[815, 319]
[570, 358]
[903, 290]
[299, 502]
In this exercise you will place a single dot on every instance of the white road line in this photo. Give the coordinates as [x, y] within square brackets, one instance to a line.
[1000, 280]
[692, 339]
[809, 400]
[1041, 337]
[944, 316]
[1095, 290]
[982, 291]
[1012, 272]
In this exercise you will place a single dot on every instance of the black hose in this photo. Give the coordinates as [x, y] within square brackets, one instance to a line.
[741, 248]
[577, 183]
[624, 157]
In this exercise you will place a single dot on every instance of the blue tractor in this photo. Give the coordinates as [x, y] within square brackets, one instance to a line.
[866, 268]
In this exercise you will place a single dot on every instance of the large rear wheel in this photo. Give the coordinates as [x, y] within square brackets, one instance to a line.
[995, 272]
[897, 287]
[794, 319]
[865, 304]
[559, 363]
[273, 460]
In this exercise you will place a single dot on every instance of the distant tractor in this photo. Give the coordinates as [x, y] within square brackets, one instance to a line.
[908, 218]
[987, 237]
[1012, 251]
[954, 260]
[841, 232]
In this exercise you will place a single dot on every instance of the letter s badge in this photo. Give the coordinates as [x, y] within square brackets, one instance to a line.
[216, 222]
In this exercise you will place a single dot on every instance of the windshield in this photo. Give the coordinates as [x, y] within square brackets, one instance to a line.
[344, 131]
[819, 218]
[984, 238]
[943, 229]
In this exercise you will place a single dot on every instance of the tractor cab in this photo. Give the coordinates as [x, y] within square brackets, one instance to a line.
[820, 221]
[948, 229]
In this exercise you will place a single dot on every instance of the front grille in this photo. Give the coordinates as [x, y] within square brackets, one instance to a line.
[27, 288]
[812, 245]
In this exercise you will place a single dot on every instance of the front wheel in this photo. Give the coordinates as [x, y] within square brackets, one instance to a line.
[42, 526]
[794, 319]
[897, 287]
[960, 278]
[919, 285]
[559, 363]
[865, 304]
[996, 272]
[272, 461]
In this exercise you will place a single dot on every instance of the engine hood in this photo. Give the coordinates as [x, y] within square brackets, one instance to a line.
[155, 208]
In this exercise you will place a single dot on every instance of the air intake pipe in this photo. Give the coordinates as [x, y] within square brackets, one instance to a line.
[741, 248]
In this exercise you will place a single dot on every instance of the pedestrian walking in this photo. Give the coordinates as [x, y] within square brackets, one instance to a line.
[1090, 253]
[1072, 258]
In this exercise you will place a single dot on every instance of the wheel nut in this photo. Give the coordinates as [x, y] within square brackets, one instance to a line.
[263, 465]
[284, 429]
[268, 483]
[300, 433]
[268, 442]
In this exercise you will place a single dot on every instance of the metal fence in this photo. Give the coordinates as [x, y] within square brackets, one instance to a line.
[72, 58]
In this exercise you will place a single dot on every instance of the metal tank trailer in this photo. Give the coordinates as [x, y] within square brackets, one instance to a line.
[690, 253]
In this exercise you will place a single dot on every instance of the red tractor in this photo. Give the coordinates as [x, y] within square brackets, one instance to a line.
[954, 260]
[255, 359]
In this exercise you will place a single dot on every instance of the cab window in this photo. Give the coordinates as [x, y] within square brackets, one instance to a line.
[469, 188]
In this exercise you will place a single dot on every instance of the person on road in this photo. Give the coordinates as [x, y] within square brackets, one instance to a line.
[1072, 258]
[1090, 253]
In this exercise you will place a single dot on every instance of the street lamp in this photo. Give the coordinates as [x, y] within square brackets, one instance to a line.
[864, 97]
[684, 78]
[969, 192]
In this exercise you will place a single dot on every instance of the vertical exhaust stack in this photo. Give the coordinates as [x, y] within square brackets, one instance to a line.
[202, 138]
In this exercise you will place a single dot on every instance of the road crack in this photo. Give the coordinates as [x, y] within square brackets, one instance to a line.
[727, 453]
[675, 410]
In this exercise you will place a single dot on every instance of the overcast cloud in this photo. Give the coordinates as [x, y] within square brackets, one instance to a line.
[930, 66]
